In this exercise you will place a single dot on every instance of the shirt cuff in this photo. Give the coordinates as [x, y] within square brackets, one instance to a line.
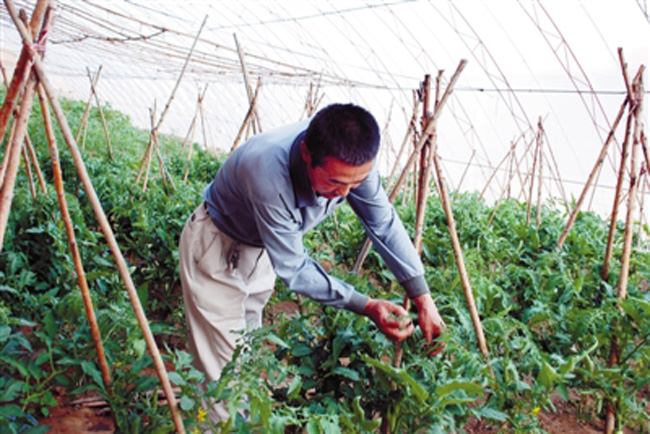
[415, 286]
[357, 303]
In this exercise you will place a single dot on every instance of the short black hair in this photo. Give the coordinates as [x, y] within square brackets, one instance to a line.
[346, 132]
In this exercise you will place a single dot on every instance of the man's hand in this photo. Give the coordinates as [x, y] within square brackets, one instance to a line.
[430, 321]
[393, 320]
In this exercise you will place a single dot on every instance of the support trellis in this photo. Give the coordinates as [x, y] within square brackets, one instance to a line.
[429, 135]
[37, 78]
[635, 132]
[153, 137]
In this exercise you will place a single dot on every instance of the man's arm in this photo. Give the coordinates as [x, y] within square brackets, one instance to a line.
[382, 224]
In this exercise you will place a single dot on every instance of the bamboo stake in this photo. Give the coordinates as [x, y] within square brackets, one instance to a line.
[32, 154]
[634, 185]
[414, 153]
[532, 173]
[494, 172]
[469, 164]
[147, 155]
[617, 198]
[424, 160]
[15, 149]
[104, 223]
[249, 89]
[557, 172]
[629, 226]
[511, 175]
[74, 249]
[152, 141]
[28, 171]
[410, 130]
[84, 119]
[189, 138]
[7, 154]
[599, 161]
[248, 118]
[538, 219]
[642, 176]
[101, 114]
[21, 71]
[460, 262]
[203, 123]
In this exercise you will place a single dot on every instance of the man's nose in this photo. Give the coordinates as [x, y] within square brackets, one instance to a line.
[343, 190]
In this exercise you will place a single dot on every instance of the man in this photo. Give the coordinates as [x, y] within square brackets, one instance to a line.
[267, 194]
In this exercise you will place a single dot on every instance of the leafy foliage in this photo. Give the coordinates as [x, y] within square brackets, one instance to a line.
[549, 317]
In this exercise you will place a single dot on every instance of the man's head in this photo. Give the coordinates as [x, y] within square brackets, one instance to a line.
[346, 132]
[339, 149]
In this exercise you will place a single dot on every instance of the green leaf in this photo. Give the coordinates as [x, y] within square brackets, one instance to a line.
[294, 388]
[345, 372]
[452, 386]
[20, 366]
[37, 430]
[400, 375]
[547, 375]
[187, 403]
[90, 369]
[140, 346]
[301, 350]
[5, 332]
[11, 392]
[11, 410]
[277, 341]
[176, 378]
[6, 288]
[563, 392]
[494, 414]
[50, 326]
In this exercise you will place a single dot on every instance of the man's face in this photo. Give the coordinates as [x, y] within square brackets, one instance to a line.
[335, 178]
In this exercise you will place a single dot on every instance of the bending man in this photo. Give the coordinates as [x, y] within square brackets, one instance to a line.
[266, 195]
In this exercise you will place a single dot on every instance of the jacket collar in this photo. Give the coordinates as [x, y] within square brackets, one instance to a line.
[302, 189]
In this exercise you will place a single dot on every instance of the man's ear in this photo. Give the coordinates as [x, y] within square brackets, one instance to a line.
[306, 155]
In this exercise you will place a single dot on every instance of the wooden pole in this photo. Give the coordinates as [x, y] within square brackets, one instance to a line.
[532, 173]
[154, 131]
[637, 88]
[103, 221]
[74, 249]
[89, 103]
[101, 114]
[7, 154]
[15, 149]
[32, 154]
[249, 89]
[460, 262]
[469, 164]
[414, 153]
[617, 198]
[28, 171]
[592, 175]
[538, 219]
[423, 179]
[494, 172]
[21, 71]
[189, 138]
[407, 136]
[248, 118]
[511, 175]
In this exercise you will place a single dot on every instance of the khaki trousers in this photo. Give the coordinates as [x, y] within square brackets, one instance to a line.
[226, 285]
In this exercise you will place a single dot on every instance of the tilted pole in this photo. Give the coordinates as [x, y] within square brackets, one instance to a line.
[103, 222]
